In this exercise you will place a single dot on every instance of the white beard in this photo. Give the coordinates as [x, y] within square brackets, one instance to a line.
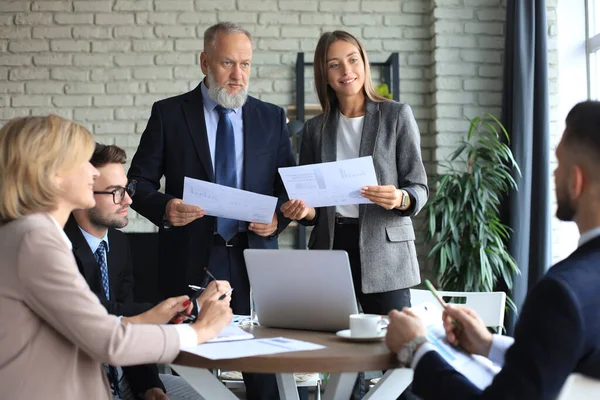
[222, 97]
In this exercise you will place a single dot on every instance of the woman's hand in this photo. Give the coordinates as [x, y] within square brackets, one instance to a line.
[164, 312]
[214, 315]
[296, 209]
[386, 196]
[212, 288]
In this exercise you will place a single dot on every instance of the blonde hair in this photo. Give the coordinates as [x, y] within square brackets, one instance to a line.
[33, 150]
[326, 94]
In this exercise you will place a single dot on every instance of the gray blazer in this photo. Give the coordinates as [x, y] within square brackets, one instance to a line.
[387, 249]
[54, 333]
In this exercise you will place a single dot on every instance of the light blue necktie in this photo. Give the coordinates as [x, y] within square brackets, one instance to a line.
[225, 168]
[100, 255]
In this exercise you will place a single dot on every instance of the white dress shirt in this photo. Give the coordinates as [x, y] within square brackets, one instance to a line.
[349, 132]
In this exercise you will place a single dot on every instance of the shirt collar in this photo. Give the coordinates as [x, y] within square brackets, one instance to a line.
[209, 103]
[93, 241]
[589, 235]
[63, 235]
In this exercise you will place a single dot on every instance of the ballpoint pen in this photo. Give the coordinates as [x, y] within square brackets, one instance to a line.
[439, 299]
[225, 294]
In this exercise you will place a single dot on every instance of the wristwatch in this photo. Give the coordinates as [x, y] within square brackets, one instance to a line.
[407, 352]
[405, 200]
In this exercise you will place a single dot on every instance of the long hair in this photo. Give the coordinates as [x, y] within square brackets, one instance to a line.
[32, 151]
[326, 94]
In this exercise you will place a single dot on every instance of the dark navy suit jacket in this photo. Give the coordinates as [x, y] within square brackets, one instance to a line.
[558, 333]
[175, 145]
[120, 273]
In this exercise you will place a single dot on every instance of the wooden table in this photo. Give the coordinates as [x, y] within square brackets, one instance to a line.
[342, 358]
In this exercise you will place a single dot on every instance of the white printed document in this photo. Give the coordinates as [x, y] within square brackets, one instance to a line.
[479, 370]
[231, 332]
[330, 184]
[249, 348]
[227, 202]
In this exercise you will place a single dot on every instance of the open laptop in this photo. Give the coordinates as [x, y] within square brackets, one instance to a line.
[301, 289]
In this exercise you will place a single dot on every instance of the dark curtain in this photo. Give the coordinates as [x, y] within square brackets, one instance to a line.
[525, 115]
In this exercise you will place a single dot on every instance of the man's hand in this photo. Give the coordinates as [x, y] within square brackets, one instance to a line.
[214, 315]
[264, 229]
[212, 288]
[155, 394]
[472, 335]
[166, 311]
[296, 209]
[179, 214]
[404, 326]
[386, 196]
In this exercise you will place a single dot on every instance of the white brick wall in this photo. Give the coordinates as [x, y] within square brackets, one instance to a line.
[104, 62]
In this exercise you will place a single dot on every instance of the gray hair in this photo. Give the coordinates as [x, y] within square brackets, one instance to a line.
[228, 28]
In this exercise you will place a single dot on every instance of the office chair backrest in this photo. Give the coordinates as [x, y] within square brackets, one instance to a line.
[488, 305]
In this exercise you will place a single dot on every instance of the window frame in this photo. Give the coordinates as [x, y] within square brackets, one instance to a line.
[592, 44]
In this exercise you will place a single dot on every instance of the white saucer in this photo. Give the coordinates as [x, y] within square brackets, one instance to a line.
[345, 334]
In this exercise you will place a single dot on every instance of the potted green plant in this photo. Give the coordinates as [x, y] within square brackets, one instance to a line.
[383, 90]
[469, 242]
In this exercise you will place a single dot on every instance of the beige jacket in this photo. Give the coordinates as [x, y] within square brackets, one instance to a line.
[54, 333]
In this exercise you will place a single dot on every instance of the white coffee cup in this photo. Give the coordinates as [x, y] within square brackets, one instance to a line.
[366, 325]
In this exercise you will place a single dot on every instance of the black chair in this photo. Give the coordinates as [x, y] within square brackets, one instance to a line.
[144, 254]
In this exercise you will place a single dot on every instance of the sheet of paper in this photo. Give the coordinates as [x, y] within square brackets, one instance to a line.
[232, 332]
[223, 201]
[330, 184]
[249, 348]
[479, 370]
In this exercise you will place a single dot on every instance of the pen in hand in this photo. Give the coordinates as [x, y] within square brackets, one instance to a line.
[226, 294]
[439, 299]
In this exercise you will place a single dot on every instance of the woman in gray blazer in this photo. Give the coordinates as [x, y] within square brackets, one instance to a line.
[54, 333]
[356, 122]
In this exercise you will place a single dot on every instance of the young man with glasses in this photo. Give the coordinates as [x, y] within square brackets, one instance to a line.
[104, 259]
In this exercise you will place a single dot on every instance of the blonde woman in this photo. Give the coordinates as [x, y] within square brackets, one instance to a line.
[54, 333]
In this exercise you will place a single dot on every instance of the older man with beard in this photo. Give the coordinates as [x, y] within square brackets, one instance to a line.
[558, 331]
[216, 133]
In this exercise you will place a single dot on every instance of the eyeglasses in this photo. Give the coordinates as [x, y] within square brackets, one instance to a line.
[208, 277]
[119, 193]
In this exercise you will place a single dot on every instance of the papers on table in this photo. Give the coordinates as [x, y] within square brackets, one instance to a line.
[223, 201]
[330, 184]
[249, 348]
[231, 332]
[479, 370]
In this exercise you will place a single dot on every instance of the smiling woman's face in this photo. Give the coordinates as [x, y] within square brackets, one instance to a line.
[345, 69]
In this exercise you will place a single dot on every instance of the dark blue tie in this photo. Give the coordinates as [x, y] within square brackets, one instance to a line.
[225, 168]
[100, 255]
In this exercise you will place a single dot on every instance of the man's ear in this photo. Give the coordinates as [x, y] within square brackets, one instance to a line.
[204, 63]
[577, 181]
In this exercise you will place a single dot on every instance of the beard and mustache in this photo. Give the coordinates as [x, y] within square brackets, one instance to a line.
[565, 210]
[222, 97]
[99, 220]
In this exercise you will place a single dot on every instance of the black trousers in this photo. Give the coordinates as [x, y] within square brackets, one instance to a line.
[227, 263]
[346, 237]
